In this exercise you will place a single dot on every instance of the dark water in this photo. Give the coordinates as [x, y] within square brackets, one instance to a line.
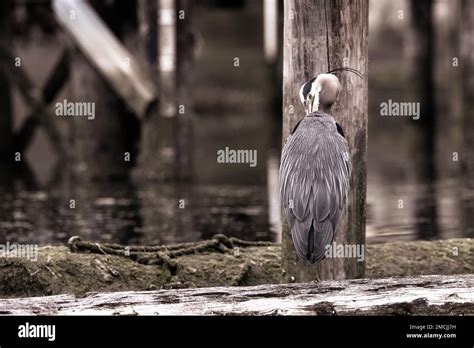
[155, 214]
[130, 215]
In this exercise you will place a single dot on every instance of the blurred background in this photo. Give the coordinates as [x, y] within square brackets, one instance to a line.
[145, 169]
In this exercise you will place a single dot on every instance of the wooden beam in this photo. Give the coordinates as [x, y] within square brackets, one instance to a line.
[422, 90]
[58, 77]
[422, 295]
[270, 30]
[147, 32]
[186, 47]
[167, 61]
[114, 62]
[33, 97]
[26, 133]
[53, 85]
[320, 35]
[157, 155]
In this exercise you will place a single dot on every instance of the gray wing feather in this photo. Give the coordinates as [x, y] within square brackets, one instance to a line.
[314, 184]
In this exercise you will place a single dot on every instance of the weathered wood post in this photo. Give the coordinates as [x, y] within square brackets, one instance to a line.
[166, 146]
[167, 81]
[186, 43]
[157, 144]
[105, 142]
[422, 90]
[467, 154]
[186, 10]
[318, 36]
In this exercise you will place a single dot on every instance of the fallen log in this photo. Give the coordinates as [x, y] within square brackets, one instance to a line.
[423, 295]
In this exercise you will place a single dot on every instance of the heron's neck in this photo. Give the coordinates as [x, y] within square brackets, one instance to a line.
[322, 109]
[325, 108]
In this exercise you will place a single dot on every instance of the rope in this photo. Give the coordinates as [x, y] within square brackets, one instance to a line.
[327, 34]
[162, 255]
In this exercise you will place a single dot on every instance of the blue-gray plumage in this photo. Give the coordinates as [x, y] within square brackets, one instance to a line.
[315, 171]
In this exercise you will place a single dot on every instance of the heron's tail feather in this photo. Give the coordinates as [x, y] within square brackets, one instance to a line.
[300, 230]
[319, 238]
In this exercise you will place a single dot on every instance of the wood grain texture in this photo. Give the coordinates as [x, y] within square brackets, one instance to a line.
[321, 35]
[443, 295]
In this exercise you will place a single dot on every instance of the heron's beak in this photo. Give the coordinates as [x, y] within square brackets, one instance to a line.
[310, 105]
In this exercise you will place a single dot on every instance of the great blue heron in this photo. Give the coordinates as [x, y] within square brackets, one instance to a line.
[315, 171]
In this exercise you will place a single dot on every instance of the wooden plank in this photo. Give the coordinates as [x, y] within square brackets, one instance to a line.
[448, 295]
[58, 78]
[52, 86]
[117, 65]
[24, 136]
[321, 35]
[33, 97]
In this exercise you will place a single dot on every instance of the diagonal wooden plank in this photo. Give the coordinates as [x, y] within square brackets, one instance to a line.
[113, 61]
[26, 133]
[53, 85]
[32, 96]
[58, 78]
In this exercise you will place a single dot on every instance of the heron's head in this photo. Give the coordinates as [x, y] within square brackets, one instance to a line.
[320, 93]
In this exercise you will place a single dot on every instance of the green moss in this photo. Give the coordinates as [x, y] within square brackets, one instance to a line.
[58, 270]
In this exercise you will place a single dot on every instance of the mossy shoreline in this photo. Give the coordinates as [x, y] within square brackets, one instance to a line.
[61, 271]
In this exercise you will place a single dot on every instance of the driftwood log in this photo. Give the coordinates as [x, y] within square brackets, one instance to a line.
[434, 295]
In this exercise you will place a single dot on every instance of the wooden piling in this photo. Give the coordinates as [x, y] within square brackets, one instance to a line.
[105, 147]
[320, 35]
[423, 91]
[150, 164]
[467, 154]
[185, 59]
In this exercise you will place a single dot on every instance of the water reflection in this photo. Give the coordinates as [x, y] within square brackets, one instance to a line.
[127, 213]
[148, 213]
[396, 210]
